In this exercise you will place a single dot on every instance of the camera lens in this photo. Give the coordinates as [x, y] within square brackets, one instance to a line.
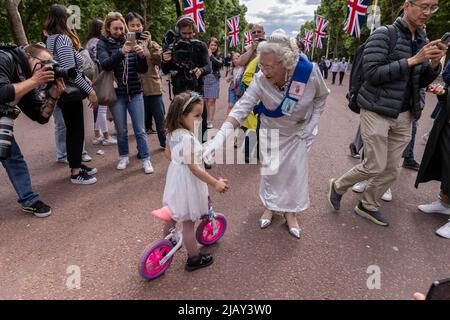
[6, 137]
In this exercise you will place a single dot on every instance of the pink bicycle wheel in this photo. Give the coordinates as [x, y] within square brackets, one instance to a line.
[205, 234]
[149, 267]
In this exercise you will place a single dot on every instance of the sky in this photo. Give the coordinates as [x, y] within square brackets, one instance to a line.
[288, 15]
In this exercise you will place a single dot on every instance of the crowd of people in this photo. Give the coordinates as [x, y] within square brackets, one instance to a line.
[272, 85]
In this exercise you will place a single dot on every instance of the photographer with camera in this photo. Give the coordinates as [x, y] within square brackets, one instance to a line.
[186, 59]
[65, 44]
[22, 72]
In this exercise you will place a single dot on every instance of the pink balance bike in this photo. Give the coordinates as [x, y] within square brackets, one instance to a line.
[157, 258]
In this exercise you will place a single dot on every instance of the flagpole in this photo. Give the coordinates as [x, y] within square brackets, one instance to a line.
[226, 36]
[328, 44]
[374, 16]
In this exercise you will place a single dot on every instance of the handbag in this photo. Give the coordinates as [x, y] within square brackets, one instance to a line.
[104, 87]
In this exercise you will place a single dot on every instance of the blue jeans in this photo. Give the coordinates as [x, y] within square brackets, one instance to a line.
[154, 106]
[18, 174]
[135, 108]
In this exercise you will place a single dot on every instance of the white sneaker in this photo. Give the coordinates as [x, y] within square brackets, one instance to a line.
[210, 125]
[148, 168]
[444, 231]
[123, 163]
[360, 187]
[435, 207]
[387, 196]
[109, 141]
[97, 141]
[86, 158]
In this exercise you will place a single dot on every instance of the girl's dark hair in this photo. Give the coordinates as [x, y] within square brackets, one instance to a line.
[57, 24]
[212, 39]
[134, 15]
[94, 30]
[175, 114]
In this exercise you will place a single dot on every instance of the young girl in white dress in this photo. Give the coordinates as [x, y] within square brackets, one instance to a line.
[186, 190]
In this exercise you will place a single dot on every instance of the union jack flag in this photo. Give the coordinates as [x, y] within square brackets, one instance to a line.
[233, 30]
[356, 14]
[321, 26]
[307, 41]
[196, 10]
[248, 38]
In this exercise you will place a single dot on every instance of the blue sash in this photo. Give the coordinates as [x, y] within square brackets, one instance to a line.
[294, 93]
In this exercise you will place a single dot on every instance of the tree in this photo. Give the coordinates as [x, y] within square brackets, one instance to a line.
[15, 21]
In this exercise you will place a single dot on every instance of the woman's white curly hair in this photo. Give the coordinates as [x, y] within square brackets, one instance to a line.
[279, 44]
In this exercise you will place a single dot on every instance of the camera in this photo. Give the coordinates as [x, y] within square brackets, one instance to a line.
[66, 73]
[7, 116]
[182, 52]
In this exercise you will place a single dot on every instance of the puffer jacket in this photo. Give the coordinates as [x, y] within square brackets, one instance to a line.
[386, 74]
[111, 57]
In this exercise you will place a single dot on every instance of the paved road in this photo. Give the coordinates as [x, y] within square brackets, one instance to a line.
[104, 228]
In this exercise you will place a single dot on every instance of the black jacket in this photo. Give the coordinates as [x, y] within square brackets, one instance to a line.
[216, 64]
[387, 74]
[14, 68]
[431, 164]
[181, 79]
[111, 57]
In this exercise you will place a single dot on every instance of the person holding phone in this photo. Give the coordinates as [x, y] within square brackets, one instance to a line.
[151, 80]
[119, 53]
[389, 99]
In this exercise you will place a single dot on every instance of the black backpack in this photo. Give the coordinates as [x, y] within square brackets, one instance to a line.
[357, 75]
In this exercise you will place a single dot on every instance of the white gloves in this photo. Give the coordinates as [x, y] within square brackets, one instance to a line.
[210, 147]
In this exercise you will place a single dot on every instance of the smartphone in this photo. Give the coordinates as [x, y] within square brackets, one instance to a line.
[446, 38]
[439, 290]
[131, 37]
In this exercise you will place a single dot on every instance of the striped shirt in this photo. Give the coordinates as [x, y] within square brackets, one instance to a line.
[64, 53]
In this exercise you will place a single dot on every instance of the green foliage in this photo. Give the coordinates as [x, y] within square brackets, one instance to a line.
[160, 15]
[343, 45]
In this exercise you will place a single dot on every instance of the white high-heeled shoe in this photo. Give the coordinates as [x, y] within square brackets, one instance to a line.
[264, 223]
[295, 232]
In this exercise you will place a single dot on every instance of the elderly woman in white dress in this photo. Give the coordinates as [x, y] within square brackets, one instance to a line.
[292, 93]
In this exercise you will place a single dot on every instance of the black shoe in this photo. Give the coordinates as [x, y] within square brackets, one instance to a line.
[83, 178]
[334, 198]
[373, 216]
[201, 261]
[39, 209]
[413, 165]
[353, 152]
[139, 156]
[87, 170]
